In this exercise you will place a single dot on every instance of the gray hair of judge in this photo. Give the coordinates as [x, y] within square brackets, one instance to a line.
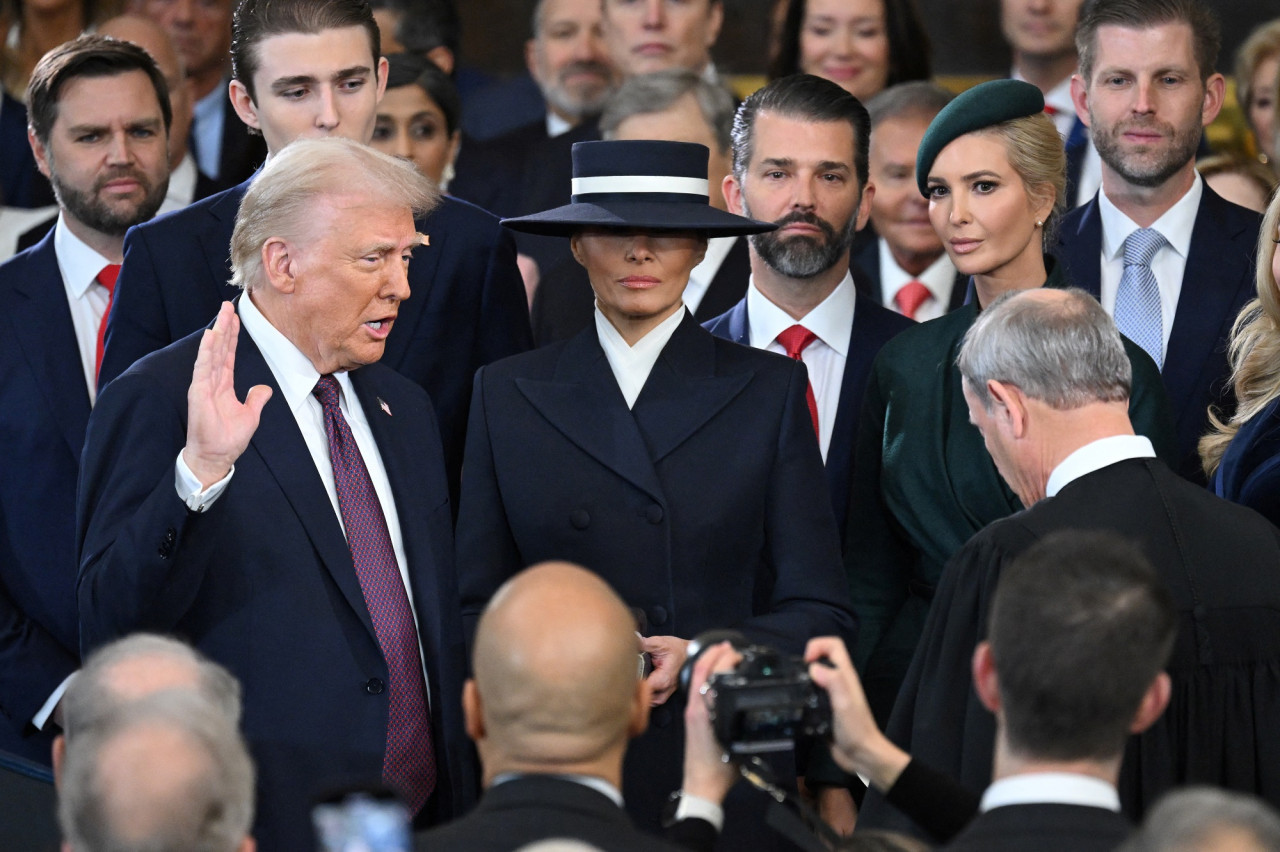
[168, 773]
[1200, 819]
[94, 693]
[656, 92]
[1064, 352]
[282, 200]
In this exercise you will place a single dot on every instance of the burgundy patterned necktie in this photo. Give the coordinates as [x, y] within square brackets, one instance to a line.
[408, 765]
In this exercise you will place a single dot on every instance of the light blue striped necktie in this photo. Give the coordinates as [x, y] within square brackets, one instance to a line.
[1138, 314]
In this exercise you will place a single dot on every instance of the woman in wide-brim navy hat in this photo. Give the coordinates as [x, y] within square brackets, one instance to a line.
[680, 467]
[638, 222]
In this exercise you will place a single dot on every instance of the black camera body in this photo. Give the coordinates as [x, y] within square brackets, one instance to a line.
[766, 702]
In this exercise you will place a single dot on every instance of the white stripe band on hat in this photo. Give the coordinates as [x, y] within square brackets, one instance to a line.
[639, 184]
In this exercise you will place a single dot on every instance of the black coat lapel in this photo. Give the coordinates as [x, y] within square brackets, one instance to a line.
[280, 445]
[683, 391]
[584, 403]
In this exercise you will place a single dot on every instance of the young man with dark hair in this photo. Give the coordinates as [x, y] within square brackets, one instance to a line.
[99, 123]
[305, 69]
[1167, 257]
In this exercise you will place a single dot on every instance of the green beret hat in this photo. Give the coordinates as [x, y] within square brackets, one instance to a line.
[985, 105]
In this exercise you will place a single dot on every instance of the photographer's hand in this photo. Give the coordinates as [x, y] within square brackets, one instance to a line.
[668, 654]
[859, 745]
[707, 774]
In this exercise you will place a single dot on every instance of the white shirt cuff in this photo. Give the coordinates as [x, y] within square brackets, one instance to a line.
[46, 710]
[694, 807]
[190, 490]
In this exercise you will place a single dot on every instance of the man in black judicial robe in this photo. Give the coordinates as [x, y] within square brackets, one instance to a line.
[1062, 440]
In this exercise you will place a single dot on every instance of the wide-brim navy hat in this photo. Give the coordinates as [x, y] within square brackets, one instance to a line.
[638, 184]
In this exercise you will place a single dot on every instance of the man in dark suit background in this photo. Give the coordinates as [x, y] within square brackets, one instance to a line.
[1047, 385]
[99, 121]
[903, 266]
[800, 161]
[1080, 628]
[555, 697]
[307, 69]
[224, 521]
[225, 150]
[1167, 257]
[677, 106]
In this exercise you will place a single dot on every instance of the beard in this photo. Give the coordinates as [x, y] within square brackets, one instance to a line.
[1156, 164]
[803, 257]
[587, 100]
[112, 220]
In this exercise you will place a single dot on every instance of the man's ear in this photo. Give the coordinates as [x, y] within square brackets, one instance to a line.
[864, 205]
[985, 682]
[717, 21]
[472, 711]
[531, 58]
[732, 194]
[41, 154]
[384, 68]
[1080, 98]
[243, 104]
[1009, 406]
[59, 756]
[638, 718]
[1215, 93]
[1154, 701]
[441, 56]
[279, 265]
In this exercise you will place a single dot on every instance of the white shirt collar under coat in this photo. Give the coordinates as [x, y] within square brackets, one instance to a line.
[294, 372]
[1175, 225]
[1057, 788]
[1095, 456]
[631, 365]
[831, 319]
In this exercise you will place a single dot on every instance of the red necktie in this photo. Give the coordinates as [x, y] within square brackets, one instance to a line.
[409, 764]
[794, 340]
[107, 278]
[909, 299]
[1050, 110]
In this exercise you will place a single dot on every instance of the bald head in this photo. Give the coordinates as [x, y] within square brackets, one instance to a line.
[556, 671]
[153, 38]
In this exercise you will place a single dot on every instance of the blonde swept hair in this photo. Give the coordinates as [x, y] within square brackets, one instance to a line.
[282, 200]
[1254, 352]
[1035, 152]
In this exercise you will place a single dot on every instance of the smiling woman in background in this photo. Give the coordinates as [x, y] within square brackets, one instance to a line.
[993, 168]
[418, 117]
[864, 46]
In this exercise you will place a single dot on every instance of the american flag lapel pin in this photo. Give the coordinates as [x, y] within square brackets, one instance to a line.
[382, 403]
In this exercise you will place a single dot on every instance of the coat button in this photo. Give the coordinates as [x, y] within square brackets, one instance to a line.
[654, 514]
[171, 536]
[580, 518]
[658, 615]
[374, 686]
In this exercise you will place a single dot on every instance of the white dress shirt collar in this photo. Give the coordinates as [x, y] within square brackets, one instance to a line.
[182, 186]
[831, 319]
[78, 263]
[600, 785]
[556, 125]
[631, 365]
[1175, 225]
[702, 275]
[939, 277]
[1095, 456]
[1057, 788]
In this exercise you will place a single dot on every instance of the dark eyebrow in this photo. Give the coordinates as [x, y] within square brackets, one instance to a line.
[283, 83]
[353, 71]
[778, 161]
[833, 166]
[981, 174]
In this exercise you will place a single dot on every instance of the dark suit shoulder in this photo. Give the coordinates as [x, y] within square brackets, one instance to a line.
[1045, 827]
[882, 324]
[459, 211]
[179, 222]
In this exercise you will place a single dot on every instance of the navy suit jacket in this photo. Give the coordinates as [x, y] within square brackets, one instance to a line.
[1045, 827]
[467, 307]
[44, 407]
[263, 581]
[873, 326]
[21, 184]
[1218, 281]
[702, 506]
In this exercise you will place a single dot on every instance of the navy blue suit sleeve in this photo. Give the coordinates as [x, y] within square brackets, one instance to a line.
[486, 550]
[129, 519]
[809, 597]
[137, 324]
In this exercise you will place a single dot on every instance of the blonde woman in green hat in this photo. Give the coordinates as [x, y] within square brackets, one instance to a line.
[993, 168]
